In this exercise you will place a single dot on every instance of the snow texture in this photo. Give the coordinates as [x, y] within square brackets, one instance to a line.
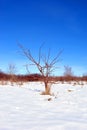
[24, 108]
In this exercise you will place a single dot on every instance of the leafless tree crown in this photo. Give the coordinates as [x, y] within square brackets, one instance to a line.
[44, 63]
[68, 71]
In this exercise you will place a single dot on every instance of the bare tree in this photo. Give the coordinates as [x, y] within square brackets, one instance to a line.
[44, 65]
[12, 70]
[68, 71]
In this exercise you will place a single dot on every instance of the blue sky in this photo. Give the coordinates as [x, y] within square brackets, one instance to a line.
[60, 24]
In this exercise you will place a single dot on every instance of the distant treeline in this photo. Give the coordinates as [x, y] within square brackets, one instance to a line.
[38, 77]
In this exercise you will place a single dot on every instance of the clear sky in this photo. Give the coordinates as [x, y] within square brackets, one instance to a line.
[60, 24]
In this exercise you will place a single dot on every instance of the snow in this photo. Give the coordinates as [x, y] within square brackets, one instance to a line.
[24, 108]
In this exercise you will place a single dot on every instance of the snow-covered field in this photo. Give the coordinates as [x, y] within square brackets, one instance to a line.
[23, 108]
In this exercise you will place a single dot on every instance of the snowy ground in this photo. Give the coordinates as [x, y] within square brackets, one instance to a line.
[23, 108]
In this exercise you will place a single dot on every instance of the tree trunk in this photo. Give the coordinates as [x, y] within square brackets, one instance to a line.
[47, 88]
